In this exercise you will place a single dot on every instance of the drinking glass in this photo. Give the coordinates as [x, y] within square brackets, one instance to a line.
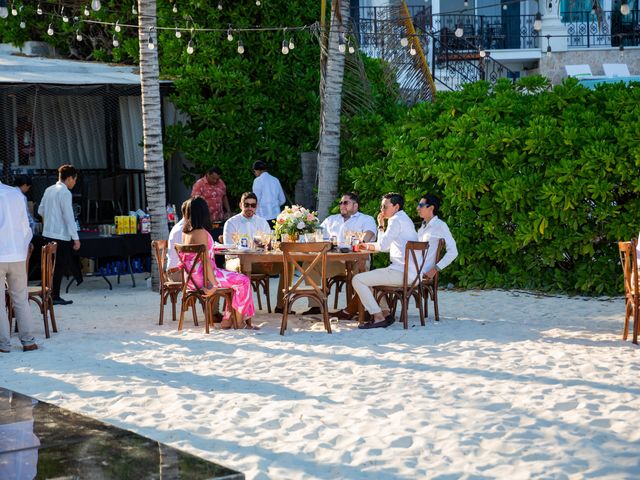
[235, 238]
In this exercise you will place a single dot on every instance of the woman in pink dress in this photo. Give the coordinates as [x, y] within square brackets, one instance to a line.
[196, 223]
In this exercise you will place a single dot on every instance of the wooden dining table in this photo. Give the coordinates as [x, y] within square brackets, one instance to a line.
[250, 256]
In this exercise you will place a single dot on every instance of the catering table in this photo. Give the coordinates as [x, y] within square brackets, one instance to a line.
[93, 245]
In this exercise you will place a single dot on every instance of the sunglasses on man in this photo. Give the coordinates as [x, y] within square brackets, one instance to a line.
[423, 204]
[250, 205]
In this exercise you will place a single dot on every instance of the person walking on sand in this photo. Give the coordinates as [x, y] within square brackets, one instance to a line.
[269, 192]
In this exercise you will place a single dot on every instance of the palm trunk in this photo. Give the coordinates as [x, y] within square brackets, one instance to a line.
[152, 128]
[331, 98]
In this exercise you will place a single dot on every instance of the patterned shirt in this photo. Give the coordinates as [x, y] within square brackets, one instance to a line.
[213, 195]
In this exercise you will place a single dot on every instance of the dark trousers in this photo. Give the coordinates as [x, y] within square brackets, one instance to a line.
[66, 261]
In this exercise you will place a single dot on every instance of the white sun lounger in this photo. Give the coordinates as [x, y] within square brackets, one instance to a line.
[616, 69]
[578, 71]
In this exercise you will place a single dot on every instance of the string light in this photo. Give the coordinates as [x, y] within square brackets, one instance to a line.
[219, 5]
[178, 33]
[116, 43]
[133, 9]
[352, 50]
[150, 44]
[14, 10]
[117, 28]
[50, 30]
[291, 44]
[624, 8]
[404, 41]
[78, 35]
[175, 8]
[23, 24]
[38, 10]
[258, 3]
[95, 5]
[229, 35]
[482, 53]
[86, 11]
[240, 47]
[412, 50]
[548, 46]
[537, 23]
[459, 31]
[285, 47]
[466, 3]
[341, 46]
[190, 47]
[4, 11]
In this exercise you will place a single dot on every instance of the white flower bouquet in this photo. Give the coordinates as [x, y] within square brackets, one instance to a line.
[296, 220]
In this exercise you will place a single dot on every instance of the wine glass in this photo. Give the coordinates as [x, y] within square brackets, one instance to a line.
[235, 238]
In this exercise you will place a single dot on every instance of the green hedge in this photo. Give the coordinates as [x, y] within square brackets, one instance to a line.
[538, 185]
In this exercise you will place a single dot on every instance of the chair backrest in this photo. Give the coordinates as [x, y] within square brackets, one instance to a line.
[304, 258]
[29, 253]
[415, 254]
[48, 265]
[194, 259]
[616, 69]
[160, 248]
[578, 71]
[629, 261]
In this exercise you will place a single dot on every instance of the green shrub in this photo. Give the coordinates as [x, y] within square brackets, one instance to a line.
[537, 188]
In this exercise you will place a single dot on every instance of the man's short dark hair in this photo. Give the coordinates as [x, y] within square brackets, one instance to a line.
[352, 196]
[395, 199]
[21, 180]
[214, 169]
[432, 199]
[196, 214]
[247, 195]
[66, 171]
[259, 165]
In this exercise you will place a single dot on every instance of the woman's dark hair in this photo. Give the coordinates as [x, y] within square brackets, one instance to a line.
[432, 200]
[395, 199]
[196, 214]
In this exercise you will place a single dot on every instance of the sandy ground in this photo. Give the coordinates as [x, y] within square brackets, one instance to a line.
[507, 385]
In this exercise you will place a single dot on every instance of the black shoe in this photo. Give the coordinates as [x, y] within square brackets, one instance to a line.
[278, 310]
[343, 315]
[61, 301]
[313, 311]
[390, 319]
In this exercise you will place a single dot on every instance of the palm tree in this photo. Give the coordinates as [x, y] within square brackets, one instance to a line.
[152, 127]
[331, 104]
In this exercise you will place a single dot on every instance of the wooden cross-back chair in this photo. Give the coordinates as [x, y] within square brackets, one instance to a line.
[304, 258]
[43, 295]
[169, 290]
[430, 286]
[415, 254]
[629, 261]
[190, 294]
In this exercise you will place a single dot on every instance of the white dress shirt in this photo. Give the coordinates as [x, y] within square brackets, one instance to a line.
[15, 233]
[175, 236]
[336, 225]
[56, 209]
[244, 226]
[432, 232]
[270, 195]
[400, 230]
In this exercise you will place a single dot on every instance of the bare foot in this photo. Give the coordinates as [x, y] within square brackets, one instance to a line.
[249, 326]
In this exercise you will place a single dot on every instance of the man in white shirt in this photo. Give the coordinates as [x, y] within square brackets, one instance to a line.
[350, 219]
[393, 239]
[432, 230]
[247, 223]
[16, 235]
[56, 210]
[269, 192]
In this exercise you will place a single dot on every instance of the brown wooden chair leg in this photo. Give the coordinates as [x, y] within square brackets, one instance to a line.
[45, 318]
[193, 310]
[183, 308]
[163, 302]
[267, 293]
[625, 329]
[285, 314]
[636, 324]
[256, 287]
[52, 315]
[435, 303]
[325, 315]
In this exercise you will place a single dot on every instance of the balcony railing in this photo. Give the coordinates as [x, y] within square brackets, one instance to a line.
[611, 29]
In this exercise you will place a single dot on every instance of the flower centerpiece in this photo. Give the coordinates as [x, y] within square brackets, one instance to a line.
[296, 220]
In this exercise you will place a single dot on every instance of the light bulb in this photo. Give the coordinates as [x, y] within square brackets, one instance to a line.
[549, 51]
[291, 44]
[117, 28]
[466, 3]
[258, 3]
[219, 5]
[86, 12]
[342, 48]
[482, 53]
[4, 12]
[78, 36]
[412, 51]
[459, 32]
[351, 49]
[229, 36]
[624, 8]
[14, 11]
[190, 47]
[175, 9]
[150, 45]
[178, 33]
[504, 7]
[23, 24]
[134, 11]
[95, 5]
[50, 30]
[285, 47]
[404, 41]
[39, 10]
[65, 19]
[537, 23]
[240, 47]
[116, 43]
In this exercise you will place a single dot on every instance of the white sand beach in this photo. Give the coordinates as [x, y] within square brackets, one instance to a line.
[507, 385]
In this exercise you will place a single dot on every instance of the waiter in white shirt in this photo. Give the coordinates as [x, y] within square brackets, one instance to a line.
[392, 239]
[269, 192]
[432, 230]
[350, 219]
[56, 210]
[16, 235]
[248, 223]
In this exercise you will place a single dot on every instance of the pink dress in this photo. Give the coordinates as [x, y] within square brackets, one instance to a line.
[241, 284]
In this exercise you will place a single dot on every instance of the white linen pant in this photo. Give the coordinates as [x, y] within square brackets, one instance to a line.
[15, 274]
[363, 282]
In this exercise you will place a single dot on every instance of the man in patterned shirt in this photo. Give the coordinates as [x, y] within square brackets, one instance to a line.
[214, 191]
